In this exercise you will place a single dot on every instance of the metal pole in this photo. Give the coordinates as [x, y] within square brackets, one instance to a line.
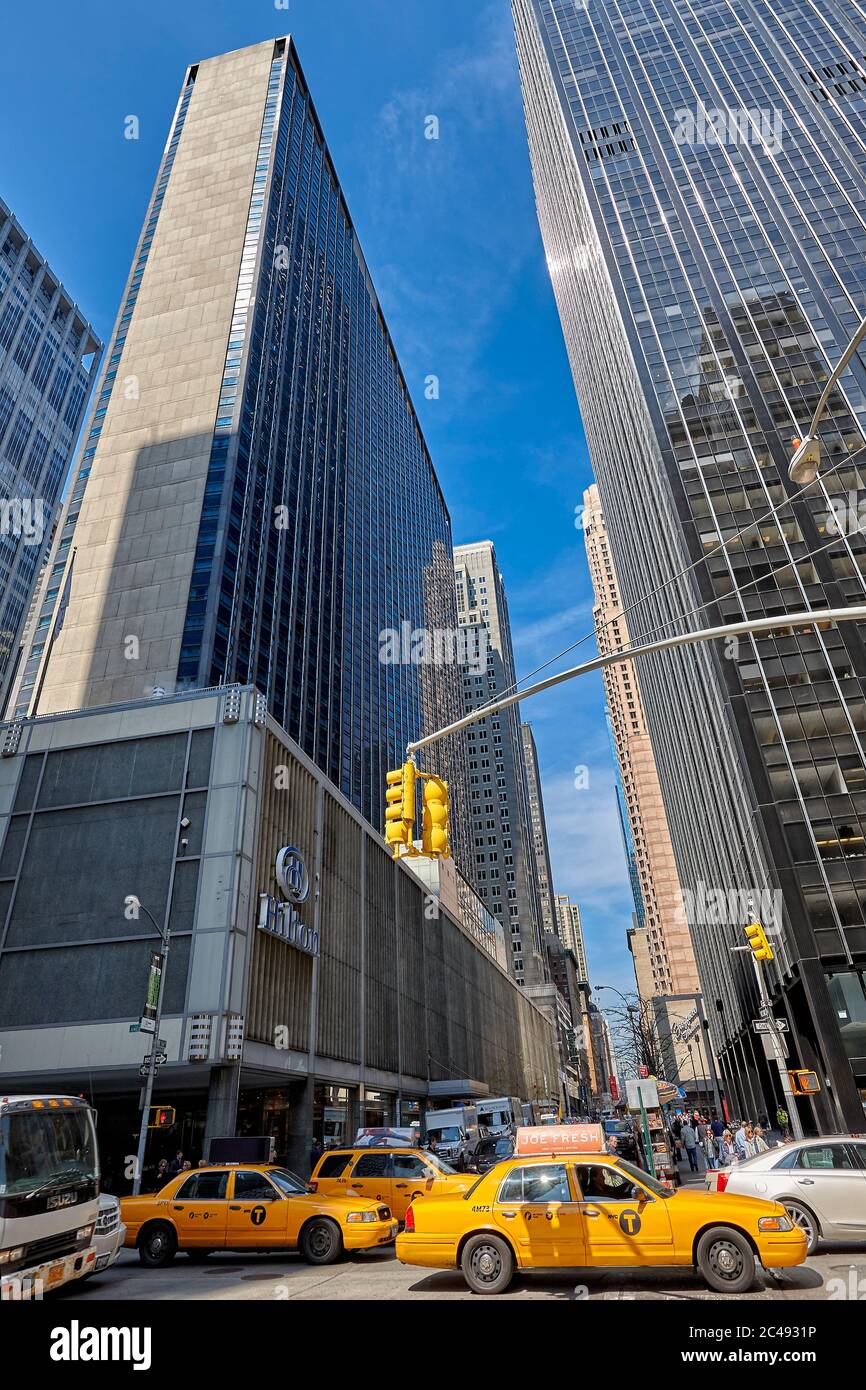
[708, 1050]
[850, 614]
[779, 1053]
[165, 937]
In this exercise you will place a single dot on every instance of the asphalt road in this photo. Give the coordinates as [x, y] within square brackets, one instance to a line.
[836, 1272]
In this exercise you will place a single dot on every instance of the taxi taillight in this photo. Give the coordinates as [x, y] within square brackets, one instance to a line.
[722, 1181]
[409, 1224]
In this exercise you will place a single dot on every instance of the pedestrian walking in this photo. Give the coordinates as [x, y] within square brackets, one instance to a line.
[761, 1145]
[690, 1144]
[740, 1141]
[709, 1147]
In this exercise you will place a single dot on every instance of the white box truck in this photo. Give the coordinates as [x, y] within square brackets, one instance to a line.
[49, 1193]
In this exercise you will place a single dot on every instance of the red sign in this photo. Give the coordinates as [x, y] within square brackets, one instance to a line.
[614, 1090]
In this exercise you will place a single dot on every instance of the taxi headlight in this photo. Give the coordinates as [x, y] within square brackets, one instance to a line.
[362, 1216]
[7, 1256]
[775, 1223]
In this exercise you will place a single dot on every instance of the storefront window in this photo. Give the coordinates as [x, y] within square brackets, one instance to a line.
[848, 993]
[331, 1117]
[378, 1107]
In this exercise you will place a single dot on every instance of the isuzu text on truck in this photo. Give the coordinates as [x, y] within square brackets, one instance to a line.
[49, 1193]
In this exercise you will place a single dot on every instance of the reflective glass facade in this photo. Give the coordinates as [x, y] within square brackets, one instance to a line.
[699, 171]
[48, 360]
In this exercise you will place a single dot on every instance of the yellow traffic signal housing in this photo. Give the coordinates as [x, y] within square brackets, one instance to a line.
[161, 1117]
[400, 807]
[804, 1083]
[434, 833]
[757, 939]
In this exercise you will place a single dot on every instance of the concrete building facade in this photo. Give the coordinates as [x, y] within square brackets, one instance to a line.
[505, 873]
[669, 948]
[544, 873]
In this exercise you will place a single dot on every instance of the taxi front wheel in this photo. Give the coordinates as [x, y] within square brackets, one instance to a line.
[321, 1242]
[487, 1264]
[726, 1260]
[157, 1245]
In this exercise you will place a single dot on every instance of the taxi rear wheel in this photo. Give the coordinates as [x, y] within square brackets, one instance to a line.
[726, 1260]
[321, 1242]
[157, 1245]
[487, 1264]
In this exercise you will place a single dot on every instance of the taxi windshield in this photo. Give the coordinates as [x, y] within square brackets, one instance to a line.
[288, 1182]
[439, 1164]
[652, 1184]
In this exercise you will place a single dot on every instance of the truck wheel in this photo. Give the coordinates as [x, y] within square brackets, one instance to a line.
[321, 1242]
[157, 1245]
[487, 1264]
[726, 1260]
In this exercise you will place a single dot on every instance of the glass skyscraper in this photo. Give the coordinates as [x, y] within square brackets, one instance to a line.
[699, 172]
[48, 360]
[255, 500]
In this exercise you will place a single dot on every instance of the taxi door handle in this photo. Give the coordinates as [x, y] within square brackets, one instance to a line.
[591, 1211]
[234, 1208]
[401, 1184]
[509, 1215]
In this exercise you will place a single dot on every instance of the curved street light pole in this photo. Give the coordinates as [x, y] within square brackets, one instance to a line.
[806, 459]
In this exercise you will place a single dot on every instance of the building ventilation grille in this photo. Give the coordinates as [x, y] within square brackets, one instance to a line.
[841, 78]
[605, 142]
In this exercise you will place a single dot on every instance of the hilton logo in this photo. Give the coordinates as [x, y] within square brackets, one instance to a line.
[281, 918]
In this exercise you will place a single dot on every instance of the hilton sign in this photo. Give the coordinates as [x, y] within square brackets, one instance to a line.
[280, 918]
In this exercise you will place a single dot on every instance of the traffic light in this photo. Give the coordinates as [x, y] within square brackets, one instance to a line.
[804, 1083]
[161, 1117]
[434, 834]
[400, 807]
[757, 939]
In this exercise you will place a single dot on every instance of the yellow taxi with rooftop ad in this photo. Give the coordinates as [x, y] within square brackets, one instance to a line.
[396, 1175]
[565, 1208]
[253, 1207]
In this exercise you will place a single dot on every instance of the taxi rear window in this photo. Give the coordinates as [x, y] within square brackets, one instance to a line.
[333, 1165]
[203, 1186]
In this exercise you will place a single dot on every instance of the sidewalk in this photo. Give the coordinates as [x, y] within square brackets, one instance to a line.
[690, 1179]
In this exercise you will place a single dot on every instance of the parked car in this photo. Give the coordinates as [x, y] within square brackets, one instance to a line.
[109, 1235]
[491, 1151]
[821, 1183]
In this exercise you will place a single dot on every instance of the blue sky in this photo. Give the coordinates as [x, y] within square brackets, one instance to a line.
[449, 232]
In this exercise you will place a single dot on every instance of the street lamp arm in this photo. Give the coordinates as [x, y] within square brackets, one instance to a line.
[859, 334]
[160, 931]
[851, 613]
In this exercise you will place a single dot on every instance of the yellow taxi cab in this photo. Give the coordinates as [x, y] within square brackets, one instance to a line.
[397, 1176]
[579, 1211]
[250, 1207]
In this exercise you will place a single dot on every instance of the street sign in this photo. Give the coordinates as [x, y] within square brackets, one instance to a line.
[135, 1027]
[147, 1025]
[642, 1094]
[160, 1058]
[762, 1025]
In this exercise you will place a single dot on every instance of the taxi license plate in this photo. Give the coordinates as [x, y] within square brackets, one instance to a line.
[55, 1274]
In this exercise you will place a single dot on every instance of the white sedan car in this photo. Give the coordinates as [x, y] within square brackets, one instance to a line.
[820, 1182]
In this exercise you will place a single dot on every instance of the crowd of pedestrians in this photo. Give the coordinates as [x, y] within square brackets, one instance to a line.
[709, 1142]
